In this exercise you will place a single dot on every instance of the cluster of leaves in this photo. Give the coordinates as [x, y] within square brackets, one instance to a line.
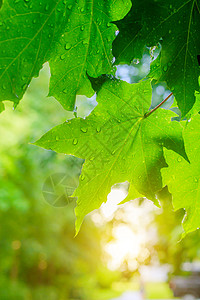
[120, 141]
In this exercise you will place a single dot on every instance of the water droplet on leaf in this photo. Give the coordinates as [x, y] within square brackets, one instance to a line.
[75, 141]
[62, 56]
[84, 129]
[165, 68]
[67, 46]
[24, 86]
[98, 129]
[82, 177]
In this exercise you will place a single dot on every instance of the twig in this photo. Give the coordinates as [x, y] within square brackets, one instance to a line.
[159, 105]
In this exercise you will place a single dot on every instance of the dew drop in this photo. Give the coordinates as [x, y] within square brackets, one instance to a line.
[82, 28]
[47, 7]
[69, 7]
[67, 46]
[62, 56]
[85, 42]
[82, 177]
[75, 141]
[165, 68]
[84, 129]
[108, 24]
[98, 129]
[34, 21]
[195, 179]
[179, 159]
[113, 152]
[82, 9]
[4, 87]
[57, 138]
[1, 23]
[97, 51]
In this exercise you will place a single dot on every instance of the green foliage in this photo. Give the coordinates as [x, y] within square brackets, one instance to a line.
[168, 223]
[117, 134]
[179, 171]
[84, 48]
[120, 140]
[69, 34]
[176, 25]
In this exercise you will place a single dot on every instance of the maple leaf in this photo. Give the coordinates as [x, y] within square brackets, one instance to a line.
[183, 177]
[75, 36]
[176, 24]
[85, 49]
[118, 144]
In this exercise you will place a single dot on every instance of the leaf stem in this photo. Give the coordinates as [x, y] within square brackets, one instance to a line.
[159, 105]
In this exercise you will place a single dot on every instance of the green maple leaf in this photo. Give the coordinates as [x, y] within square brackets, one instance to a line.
[33, 32]
[183, 177]
[85, 48]
[118, 143]
[176, 24]
[28, 30]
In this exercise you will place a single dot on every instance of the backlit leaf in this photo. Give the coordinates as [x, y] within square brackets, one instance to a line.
[118, 144]
[183, 178]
